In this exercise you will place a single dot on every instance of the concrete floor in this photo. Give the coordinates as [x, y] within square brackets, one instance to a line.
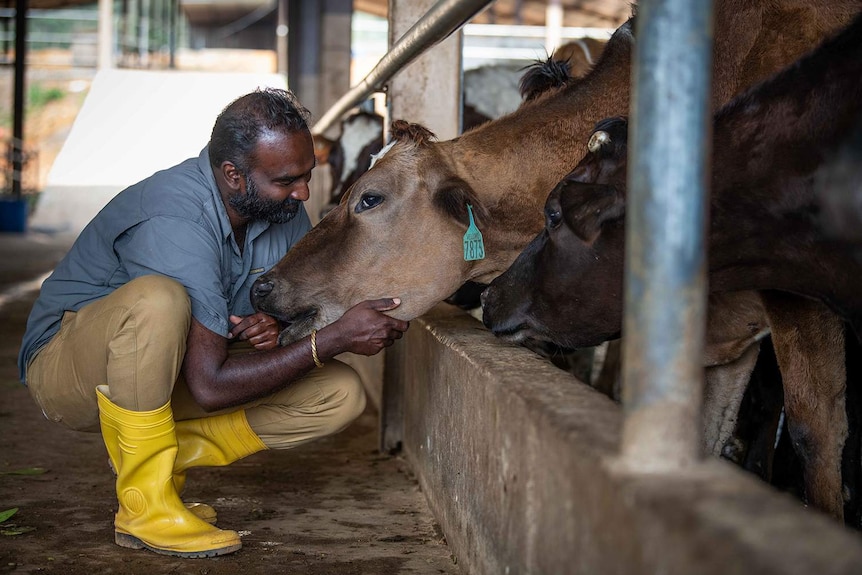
[334, 507]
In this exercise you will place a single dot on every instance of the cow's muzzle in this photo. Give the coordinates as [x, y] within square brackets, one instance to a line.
[260, 290]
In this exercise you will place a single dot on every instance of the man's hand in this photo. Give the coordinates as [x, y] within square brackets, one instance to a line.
[258, 329]
[218, 379]
[364, 329]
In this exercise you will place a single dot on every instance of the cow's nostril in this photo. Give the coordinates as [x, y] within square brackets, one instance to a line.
[262, 288]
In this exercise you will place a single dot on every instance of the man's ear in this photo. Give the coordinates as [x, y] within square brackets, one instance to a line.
[232, 175]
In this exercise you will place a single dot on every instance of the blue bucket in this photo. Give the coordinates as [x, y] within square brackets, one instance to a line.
[13, 215]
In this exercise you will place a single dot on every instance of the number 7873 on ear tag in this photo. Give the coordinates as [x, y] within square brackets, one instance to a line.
[474, 247]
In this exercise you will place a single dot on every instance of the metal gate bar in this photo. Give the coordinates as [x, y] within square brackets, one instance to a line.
[665, 278]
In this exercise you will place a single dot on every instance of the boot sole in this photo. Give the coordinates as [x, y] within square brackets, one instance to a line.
[132, 542]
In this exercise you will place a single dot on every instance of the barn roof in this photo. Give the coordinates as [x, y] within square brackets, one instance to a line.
[588, 13]
[597, 13]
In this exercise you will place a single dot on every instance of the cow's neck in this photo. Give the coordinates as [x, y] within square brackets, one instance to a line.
[764, 207]
[512, 164]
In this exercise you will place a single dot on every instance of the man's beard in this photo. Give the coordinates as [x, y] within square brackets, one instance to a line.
[254, 207]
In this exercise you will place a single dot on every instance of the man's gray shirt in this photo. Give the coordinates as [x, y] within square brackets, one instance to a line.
[174, 224]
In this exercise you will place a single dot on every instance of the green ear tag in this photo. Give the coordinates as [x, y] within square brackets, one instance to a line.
[474, 247]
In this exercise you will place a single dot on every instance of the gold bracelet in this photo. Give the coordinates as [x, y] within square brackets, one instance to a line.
[316, 359]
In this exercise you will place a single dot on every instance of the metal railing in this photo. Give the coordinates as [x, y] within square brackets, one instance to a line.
[19, 168]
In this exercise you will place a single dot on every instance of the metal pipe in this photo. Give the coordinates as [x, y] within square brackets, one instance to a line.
[19, 98]
[105, 45]
[174, 6]
[665, 279]
[444, 18]
[553, 25]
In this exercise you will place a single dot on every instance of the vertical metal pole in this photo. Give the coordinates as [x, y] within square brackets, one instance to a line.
[152, 40]
[665, 280]
[5, 21]
[164, 28]
[106, 35]
[123, 34]
[281, 31]
[172, 28]
[553, 25]
[335, 54]
[144, 33]
[303, 52]
[17, 150]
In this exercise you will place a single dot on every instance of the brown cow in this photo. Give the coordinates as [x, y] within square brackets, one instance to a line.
[489, 92]
[769, 146]
[400, 230]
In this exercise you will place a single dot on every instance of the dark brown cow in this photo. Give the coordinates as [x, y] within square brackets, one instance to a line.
[839, 193]
[769, 146]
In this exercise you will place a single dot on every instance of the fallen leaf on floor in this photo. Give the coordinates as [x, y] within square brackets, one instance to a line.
[27, 471]
[15, 530]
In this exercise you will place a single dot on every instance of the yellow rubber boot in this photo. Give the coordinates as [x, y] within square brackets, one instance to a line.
[212, 442]
[201, 510]
[143, 449]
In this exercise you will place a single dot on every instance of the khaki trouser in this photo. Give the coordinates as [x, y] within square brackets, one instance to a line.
[134, 341]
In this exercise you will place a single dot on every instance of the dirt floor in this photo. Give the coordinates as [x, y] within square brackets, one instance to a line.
[335, 507]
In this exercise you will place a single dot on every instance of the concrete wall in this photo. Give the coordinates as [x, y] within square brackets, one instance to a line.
[517, 460]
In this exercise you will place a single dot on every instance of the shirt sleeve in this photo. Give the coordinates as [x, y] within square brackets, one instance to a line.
[185, 251]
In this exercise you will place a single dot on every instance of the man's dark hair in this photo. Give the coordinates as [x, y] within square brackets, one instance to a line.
[241, 124]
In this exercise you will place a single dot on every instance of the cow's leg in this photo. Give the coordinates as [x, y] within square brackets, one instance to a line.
[809, 344]
[736, 323]
[724, 389]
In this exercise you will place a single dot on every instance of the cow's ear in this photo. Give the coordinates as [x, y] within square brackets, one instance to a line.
[404, 131]
[609, 139]
[587, 207]
[542, 77]
[452, 198]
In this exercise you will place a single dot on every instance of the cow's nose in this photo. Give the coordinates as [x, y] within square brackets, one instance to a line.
[262, 288]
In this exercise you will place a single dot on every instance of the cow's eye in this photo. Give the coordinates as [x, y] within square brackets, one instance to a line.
[553, 217]
[368, 201]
